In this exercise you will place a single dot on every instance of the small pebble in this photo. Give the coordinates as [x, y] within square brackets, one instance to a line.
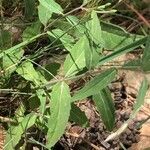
[128, 143]
[134, 139]
[118, 124]
[126, 116]
[131, 126]
[128, 131]
[130, 137]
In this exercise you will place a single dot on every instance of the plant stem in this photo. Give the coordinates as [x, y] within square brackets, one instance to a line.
[70, 78]
[63, 16]
[20, 45]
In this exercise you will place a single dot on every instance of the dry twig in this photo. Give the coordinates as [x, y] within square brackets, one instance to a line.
[138, 14]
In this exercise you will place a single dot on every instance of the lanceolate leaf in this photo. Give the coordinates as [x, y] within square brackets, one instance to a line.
[105, 106]
[42, 97]
[112, 28]
[76, 23]
[117, 30]
[64, 37]
[27, 71]
[146, 56]
[44, 14]
[140, 97]
[60, 111]
[78, 116]
[14, 134]
[121, 51]
[10, 61]
[92, 55]
[115, 37]
[95, 85]
[75, 61]
[31, 31]
[20, 112]
[52, 6]
[94, 29]
[113, 41]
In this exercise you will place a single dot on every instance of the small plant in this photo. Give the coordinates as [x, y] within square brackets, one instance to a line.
[58, 49]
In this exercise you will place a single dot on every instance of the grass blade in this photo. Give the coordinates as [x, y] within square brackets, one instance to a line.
[123, 50]
[146, 56]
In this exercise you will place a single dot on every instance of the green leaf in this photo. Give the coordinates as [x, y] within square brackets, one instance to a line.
[115, 37]
[60, 111]
[76, 23]
[78, 116]
[41, 77]
[95, 85]
[140, 98]
[92, 55]
[113, 41]
[31, 31]
[27, 71]
[75, 61]
[5, 39]
[10, 61]
[146, 56]
[53, 68]
[44, 14]
[105, 106]
[94, 40]
[19, 113]
[14, 134]
[121, 51]
[64, 37]
[42, 97]
[52, 6]
[94, 29]
[102, 7]
[113, 28]
[85, 2]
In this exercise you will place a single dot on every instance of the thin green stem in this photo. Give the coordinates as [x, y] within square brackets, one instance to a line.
[63, 16]
[20, 45]
[14, 91]
[90, 72]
